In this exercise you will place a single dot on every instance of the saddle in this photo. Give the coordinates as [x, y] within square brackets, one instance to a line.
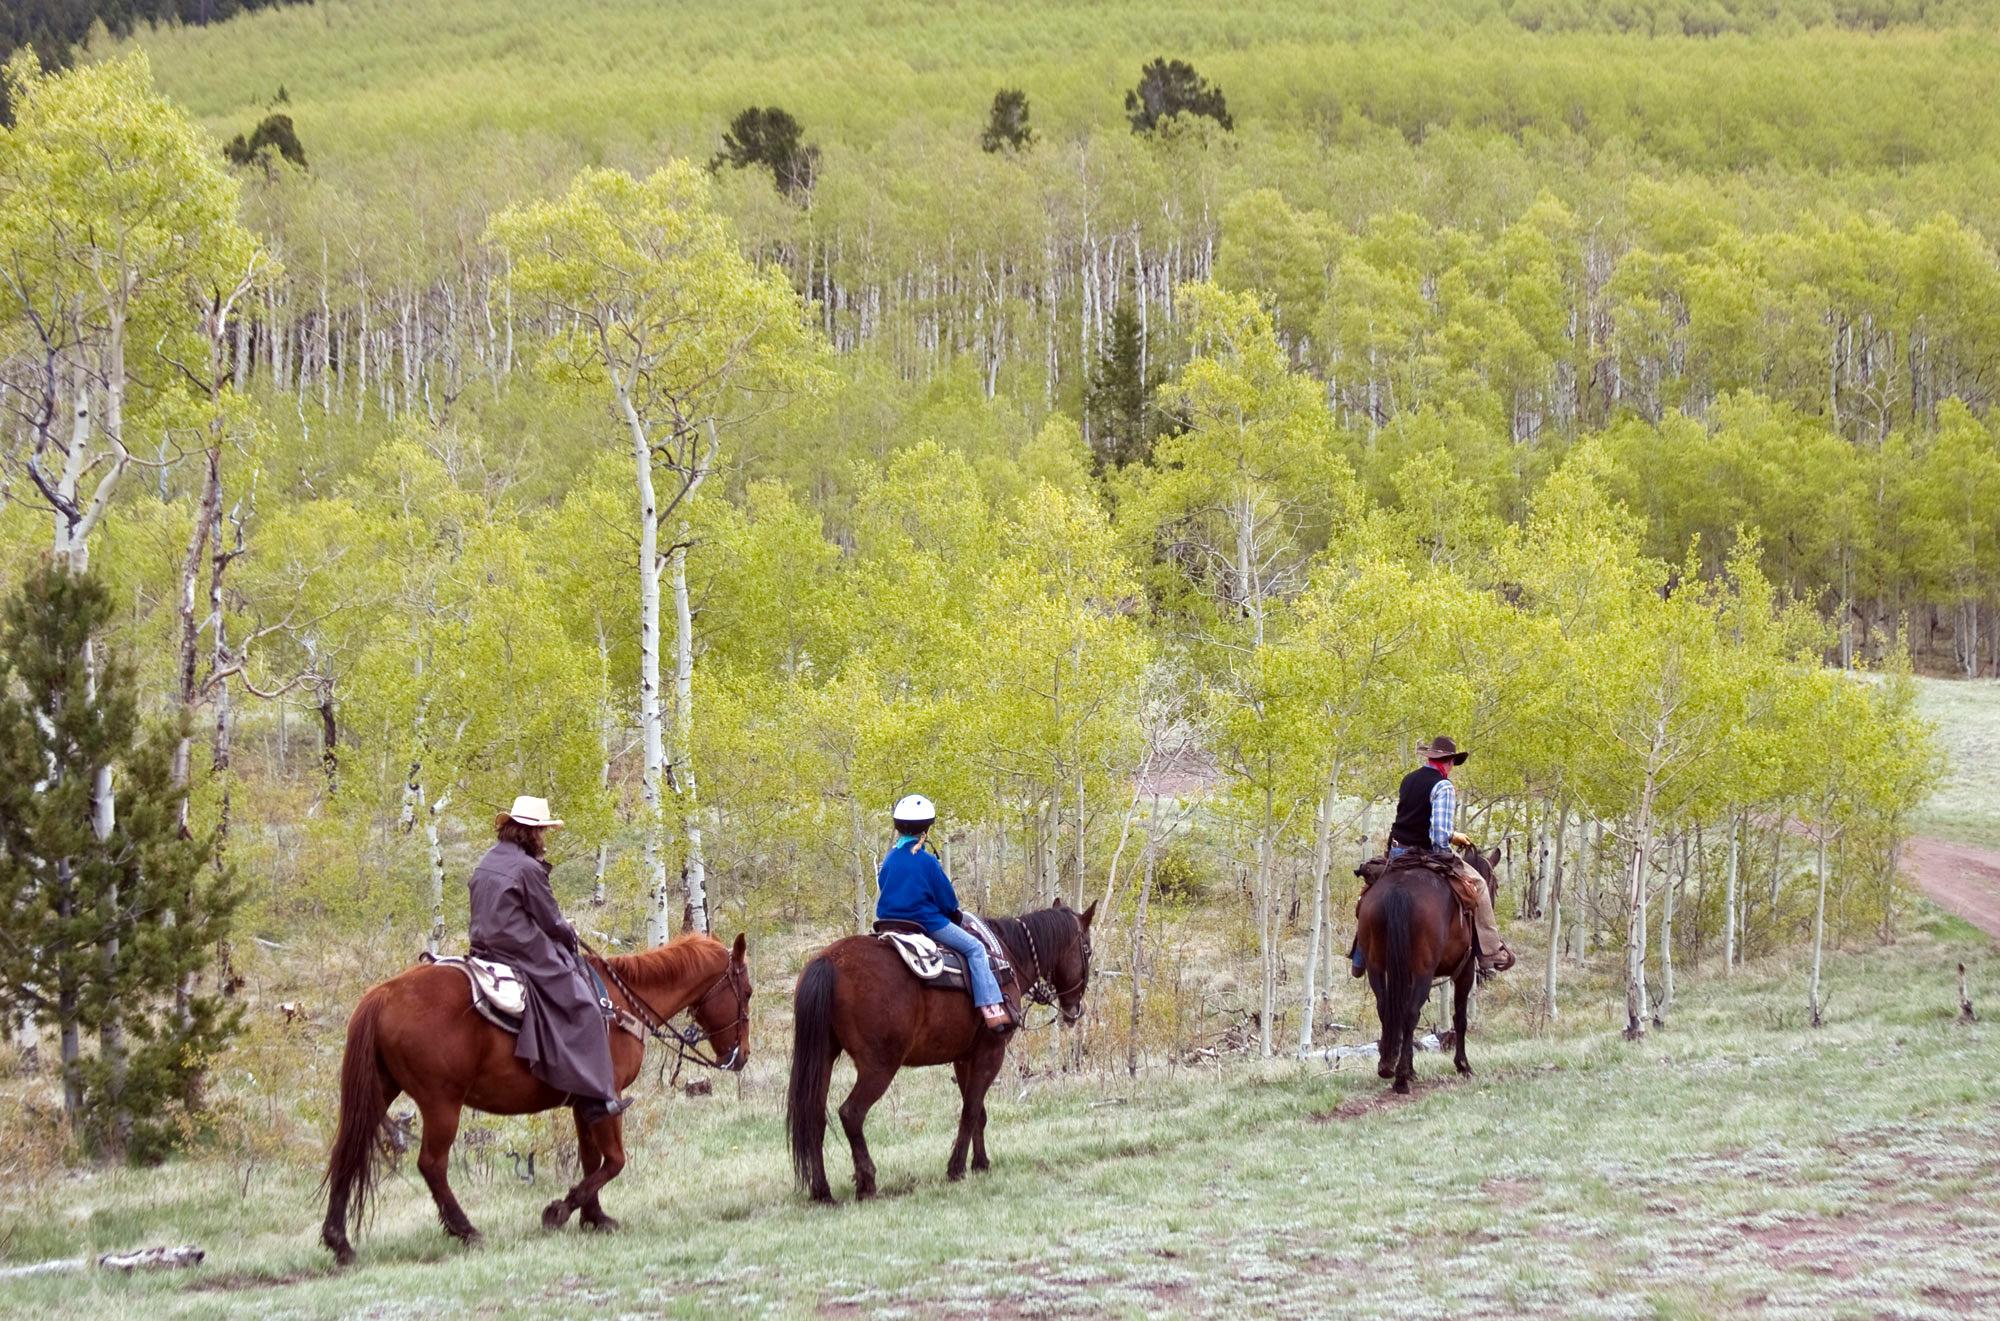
[500, 996]
[1464, 882]
[940, 968]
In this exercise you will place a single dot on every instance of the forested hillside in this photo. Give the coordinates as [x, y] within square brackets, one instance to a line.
[1136, 427]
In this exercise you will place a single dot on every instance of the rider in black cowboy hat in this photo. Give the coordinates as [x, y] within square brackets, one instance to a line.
[1426, 806]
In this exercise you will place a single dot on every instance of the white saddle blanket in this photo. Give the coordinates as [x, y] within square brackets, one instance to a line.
[495, 984]
[931, 962]
[922, 955]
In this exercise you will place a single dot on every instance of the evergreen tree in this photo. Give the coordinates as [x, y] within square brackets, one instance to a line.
[1007, 123]
[1172, 87]
[769, 137]
[1119, 401]
[98, 930]
[275, 133]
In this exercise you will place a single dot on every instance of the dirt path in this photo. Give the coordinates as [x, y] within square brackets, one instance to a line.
[1960, 878]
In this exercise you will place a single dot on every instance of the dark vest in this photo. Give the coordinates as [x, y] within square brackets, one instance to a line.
[1413, 807]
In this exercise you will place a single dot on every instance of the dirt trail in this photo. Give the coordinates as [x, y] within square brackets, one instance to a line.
[1960, 878]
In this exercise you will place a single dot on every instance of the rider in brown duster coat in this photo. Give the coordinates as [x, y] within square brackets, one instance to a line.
[515, 921]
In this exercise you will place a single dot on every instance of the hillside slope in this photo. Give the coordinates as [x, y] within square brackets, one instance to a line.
[1735, 1162]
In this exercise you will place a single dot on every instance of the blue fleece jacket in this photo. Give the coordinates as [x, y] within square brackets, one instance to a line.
[914, 888]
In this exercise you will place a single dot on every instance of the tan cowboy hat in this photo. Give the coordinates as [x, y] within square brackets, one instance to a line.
[532, 812]
[1442, 748]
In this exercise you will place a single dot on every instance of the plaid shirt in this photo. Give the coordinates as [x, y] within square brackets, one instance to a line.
[1444, 805]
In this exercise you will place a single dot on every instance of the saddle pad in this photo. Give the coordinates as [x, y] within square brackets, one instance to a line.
[493, 984]
[923, 956]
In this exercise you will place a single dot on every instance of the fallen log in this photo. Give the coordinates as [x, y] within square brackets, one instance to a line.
[143, 1259]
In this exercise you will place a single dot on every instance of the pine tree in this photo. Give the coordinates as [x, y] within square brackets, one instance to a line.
[1119, 401]
[1172, 87]
[771, 138]
[98, 930]
[1007, 123]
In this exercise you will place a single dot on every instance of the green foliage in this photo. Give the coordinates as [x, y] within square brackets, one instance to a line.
[1119, 401]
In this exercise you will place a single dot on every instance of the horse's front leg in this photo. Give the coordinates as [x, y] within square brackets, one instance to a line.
[1461, 992]
[434, 1162]
[600, 1150]
[869, 1083]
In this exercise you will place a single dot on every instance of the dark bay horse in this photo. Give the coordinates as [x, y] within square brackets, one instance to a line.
[1411, 932]
[417, 1033]
[856, 996]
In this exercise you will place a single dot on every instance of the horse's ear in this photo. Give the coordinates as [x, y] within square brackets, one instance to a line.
[1493, 858]
[1087, 914]
[736, 954]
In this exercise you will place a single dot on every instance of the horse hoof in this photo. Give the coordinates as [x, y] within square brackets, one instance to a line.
[981, 1166]
[1402, 1087]
[471, 1238]
[824, 1196]
[602, 1225]
[1464, 1070]
[555, 1215]
[1388, 1071]
[954, 1176]
[343, 1255]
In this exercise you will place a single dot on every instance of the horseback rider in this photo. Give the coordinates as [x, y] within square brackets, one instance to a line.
[1426, 807]
[914, 888]
[563, 1039]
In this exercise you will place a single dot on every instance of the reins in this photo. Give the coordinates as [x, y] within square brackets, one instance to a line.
[686, 1042]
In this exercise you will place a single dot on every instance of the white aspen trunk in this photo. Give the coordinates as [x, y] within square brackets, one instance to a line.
[604, 720]
[1322, 866]
[1813, 1004]
[1139, 939]
[863, 910]
[1267, 926]
[1729, 902]
[1635, 915]
[651, 731]
[1667, 949]
[435, 853]
[684, 783]
[1555, 917]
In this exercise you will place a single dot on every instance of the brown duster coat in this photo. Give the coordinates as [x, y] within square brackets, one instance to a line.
[515, 921]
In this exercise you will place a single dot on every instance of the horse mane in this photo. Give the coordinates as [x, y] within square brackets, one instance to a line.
[682, 959]
[1046, 927]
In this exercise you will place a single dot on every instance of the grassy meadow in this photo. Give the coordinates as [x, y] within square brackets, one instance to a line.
[1733, 1162]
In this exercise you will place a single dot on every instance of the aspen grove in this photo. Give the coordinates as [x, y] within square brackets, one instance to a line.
[1143, 494]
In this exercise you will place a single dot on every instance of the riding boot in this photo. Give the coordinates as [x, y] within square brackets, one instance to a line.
[1494, 956]
[591, 1112]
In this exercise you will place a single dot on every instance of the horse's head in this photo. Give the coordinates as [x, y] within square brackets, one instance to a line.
[1068, 969]
[1484, 863]
[722, 1012]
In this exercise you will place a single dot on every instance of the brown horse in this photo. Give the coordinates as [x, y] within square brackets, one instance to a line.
[1411, 932]
[857, 996]
[417, 1033]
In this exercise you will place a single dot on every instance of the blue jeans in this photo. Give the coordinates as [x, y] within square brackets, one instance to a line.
[985, 991]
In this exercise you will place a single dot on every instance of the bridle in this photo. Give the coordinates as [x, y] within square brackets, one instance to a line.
[1041, 990]
[684, 1041]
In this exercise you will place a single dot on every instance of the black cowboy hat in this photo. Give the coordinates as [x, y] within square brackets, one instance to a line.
[1442, 748]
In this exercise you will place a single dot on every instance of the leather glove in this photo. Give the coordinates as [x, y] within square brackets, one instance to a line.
[1459, 841]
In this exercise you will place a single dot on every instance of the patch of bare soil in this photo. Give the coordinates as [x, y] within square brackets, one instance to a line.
[1959, 878]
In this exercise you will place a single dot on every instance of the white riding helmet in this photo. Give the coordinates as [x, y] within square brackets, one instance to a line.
[914, 810]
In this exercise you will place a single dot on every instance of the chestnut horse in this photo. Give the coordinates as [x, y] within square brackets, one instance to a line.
[417, 1033]
[857, 996]
[1411, 931]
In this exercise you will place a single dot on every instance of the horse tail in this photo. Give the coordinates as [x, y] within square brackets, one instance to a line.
[1399, 911]
[354, 1164]
[813, 1052]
